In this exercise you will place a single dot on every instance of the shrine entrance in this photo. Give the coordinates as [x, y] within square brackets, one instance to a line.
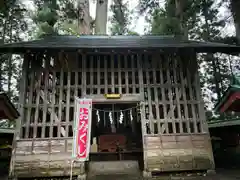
[116, 138]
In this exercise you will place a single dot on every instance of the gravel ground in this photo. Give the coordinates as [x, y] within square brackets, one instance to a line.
[221, 174]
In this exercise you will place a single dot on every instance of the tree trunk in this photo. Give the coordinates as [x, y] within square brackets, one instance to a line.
[10, 70]
[235, 6]
[180, 4]
[101, 17]
[2, 56]
[84, 19]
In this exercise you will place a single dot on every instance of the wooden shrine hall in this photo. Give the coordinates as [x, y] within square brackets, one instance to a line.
[230, 101]
[226, 132]
[155, 123]
[7, 113]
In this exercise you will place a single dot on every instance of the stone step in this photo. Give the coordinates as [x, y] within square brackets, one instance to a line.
[116, 177]
[127, 167]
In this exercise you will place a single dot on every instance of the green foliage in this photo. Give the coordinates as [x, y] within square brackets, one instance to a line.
[148, 6]
[46, 17]
[199, 18]
[68, 9]
[132, 33]
[216, 67]
[120, 18]
[12, 25]
[68, 18]
[234, 8]
[163, 24]
[209, 24]
[68, 27]
[165, 21]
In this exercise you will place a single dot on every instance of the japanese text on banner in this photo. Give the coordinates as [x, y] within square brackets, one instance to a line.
[82, 133]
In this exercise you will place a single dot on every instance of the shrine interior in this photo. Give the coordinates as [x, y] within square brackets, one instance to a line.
[116, 132]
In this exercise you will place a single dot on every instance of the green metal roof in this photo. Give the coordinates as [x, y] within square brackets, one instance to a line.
[223, 123]
[7, 131]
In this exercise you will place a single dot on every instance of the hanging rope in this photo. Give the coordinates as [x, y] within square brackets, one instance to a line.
[110, 114]
[123, 110]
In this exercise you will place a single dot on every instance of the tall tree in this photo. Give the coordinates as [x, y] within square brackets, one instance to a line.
[12, 25]
[234, 6]
[164, 20]
[84, 18]
[195, 20]
[68, 18]
[175, 18]
[216, 69]
[182, 9]
[120, 19]
[101, 17]
[46, 17]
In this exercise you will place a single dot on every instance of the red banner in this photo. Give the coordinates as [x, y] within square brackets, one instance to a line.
[82, 133]
[83, 122]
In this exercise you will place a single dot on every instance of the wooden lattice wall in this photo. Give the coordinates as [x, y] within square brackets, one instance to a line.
[171, 93]
[168, 83]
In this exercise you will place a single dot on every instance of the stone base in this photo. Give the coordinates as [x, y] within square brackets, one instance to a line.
[113, 167]
[211, 172]
[147, 174]
[82, 177]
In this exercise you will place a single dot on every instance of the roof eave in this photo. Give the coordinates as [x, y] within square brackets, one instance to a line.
[10, 106]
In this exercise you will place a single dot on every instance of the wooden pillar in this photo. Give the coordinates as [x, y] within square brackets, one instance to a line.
[45, 98]
[84, 74]
[156, 60]
[23, 86]
[164, 128]
[18, 129]
[142, 111]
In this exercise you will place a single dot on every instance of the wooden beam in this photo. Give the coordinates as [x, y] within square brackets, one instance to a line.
[125, 98]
